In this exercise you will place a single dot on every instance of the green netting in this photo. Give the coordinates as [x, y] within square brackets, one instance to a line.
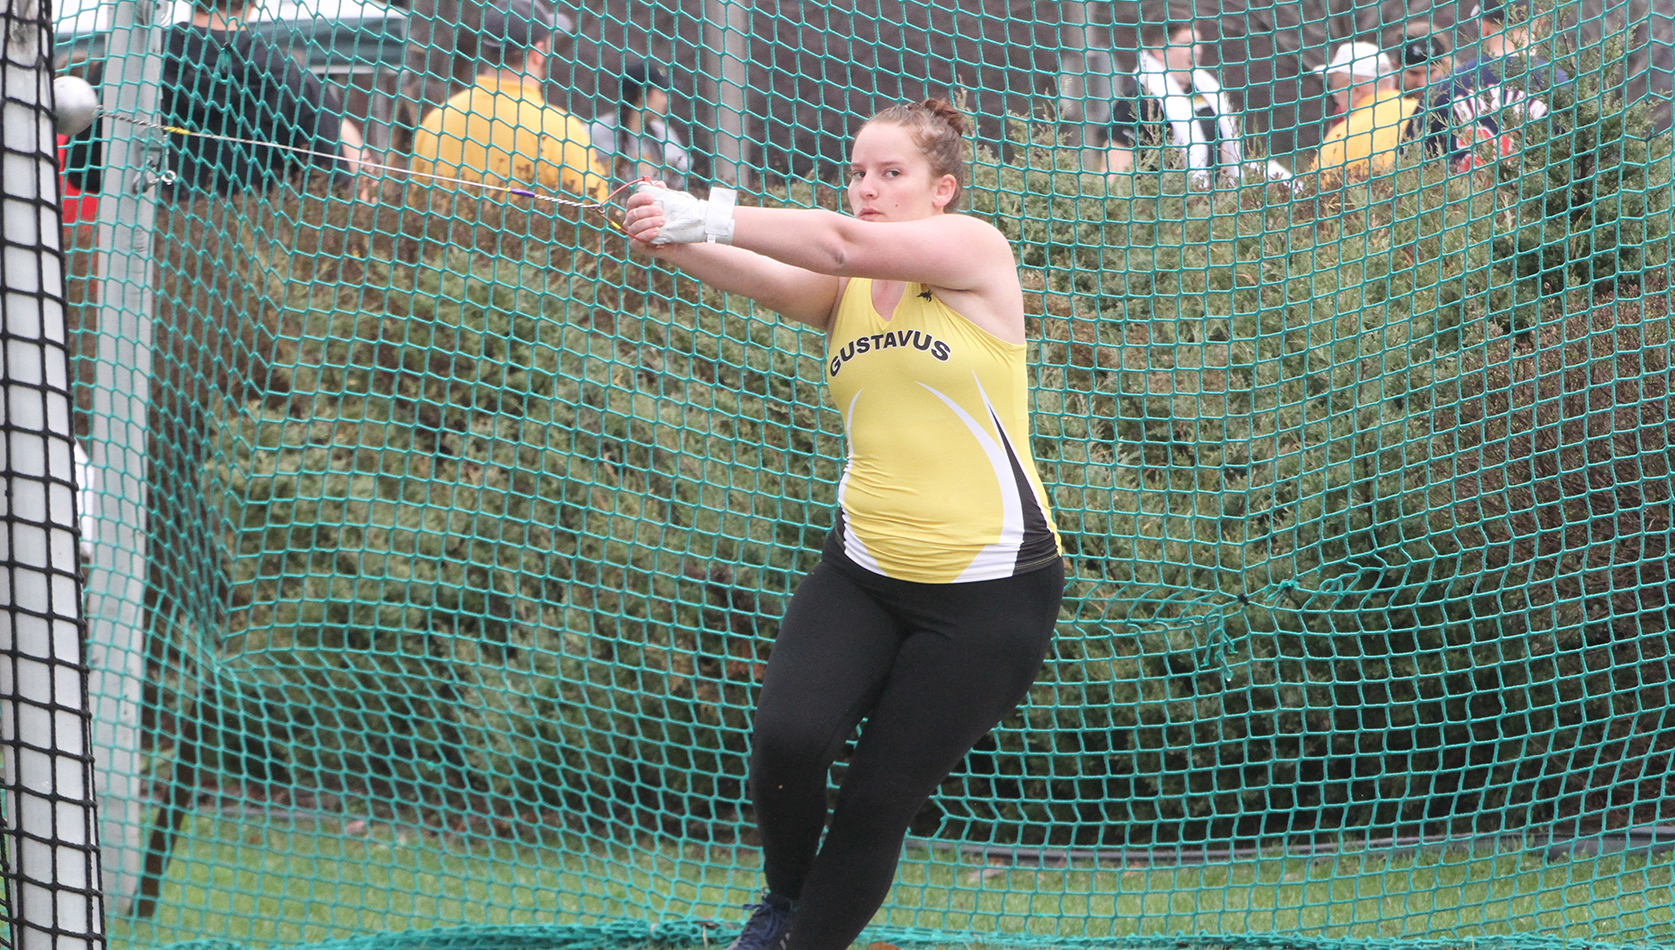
[466, 535]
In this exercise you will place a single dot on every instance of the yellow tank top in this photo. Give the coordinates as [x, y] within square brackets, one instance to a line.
[940, 485]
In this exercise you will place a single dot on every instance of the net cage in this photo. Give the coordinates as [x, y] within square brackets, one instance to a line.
[435, 544]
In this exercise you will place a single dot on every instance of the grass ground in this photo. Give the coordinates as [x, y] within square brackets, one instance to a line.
[255, 883]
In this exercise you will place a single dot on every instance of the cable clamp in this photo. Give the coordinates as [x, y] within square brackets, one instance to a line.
[152, 174]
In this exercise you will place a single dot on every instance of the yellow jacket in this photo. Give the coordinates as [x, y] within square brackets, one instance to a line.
[501, 131]
[1364, 142]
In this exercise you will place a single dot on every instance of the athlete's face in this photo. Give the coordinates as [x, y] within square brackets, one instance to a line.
[890, 178]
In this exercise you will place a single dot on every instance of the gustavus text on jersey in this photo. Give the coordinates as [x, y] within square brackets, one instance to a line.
[918, 339]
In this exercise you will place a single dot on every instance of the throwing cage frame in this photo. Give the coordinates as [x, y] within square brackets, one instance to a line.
[53, 899]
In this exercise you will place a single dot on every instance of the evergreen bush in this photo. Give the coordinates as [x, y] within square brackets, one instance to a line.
[1367, 515]
[1309, 594]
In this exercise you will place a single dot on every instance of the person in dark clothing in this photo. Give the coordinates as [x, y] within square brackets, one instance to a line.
[1168, 93]
[637, 139]
[222, 79]
[1472, 117]
[1170, 98]
[1424, 60]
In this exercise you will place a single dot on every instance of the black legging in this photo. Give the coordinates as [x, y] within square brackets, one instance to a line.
[932, 668]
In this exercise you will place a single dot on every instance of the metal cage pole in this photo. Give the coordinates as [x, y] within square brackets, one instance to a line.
[1085, 71]
[727, 60]
[122, 387]
[52, 861]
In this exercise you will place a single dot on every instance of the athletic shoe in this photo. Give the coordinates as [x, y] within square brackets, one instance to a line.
[769, 926]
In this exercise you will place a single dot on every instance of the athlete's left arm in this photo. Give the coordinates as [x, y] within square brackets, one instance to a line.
[945, 250]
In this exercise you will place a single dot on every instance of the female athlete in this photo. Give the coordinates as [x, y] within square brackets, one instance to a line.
[933, 605]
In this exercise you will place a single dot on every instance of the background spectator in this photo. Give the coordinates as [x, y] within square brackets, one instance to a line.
[1355, 72]
[1182, 104]
[1376, 113]
[1472, 118]
[502, 130]
[1265, 50]
[442, 58]
[638, 140]
[222, 79]
[1424, 59]
[1498, 39]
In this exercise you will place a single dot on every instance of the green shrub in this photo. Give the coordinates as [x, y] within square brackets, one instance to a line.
[1591, 190]
[478, 552]
[1264, 430]
[1366, 510]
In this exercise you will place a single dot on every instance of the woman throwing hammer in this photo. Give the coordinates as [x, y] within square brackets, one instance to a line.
[933, 605]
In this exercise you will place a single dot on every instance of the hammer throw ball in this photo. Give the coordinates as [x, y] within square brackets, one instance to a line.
[75, 104]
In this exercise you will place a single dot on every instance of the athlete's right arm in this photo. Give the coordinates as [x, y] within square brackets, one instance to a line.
[791, 291]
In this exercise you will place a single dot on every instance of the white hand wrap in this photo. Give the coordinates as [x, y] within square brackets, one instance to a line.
[688, 220]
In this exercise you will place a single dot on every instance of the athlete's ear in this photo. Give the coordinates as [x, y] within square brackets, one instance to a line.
[946, 187]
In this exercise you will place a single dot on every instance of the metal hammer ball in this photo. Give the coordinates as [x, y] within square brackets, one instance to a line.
[75, 104]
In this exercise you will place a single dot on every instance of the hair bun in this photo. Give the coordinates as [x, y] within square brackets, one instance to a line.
[938, 130]
[941, 109]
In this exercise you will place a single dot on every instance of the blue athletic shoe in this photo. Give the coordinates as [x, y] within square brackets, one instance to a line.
[769, 926]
